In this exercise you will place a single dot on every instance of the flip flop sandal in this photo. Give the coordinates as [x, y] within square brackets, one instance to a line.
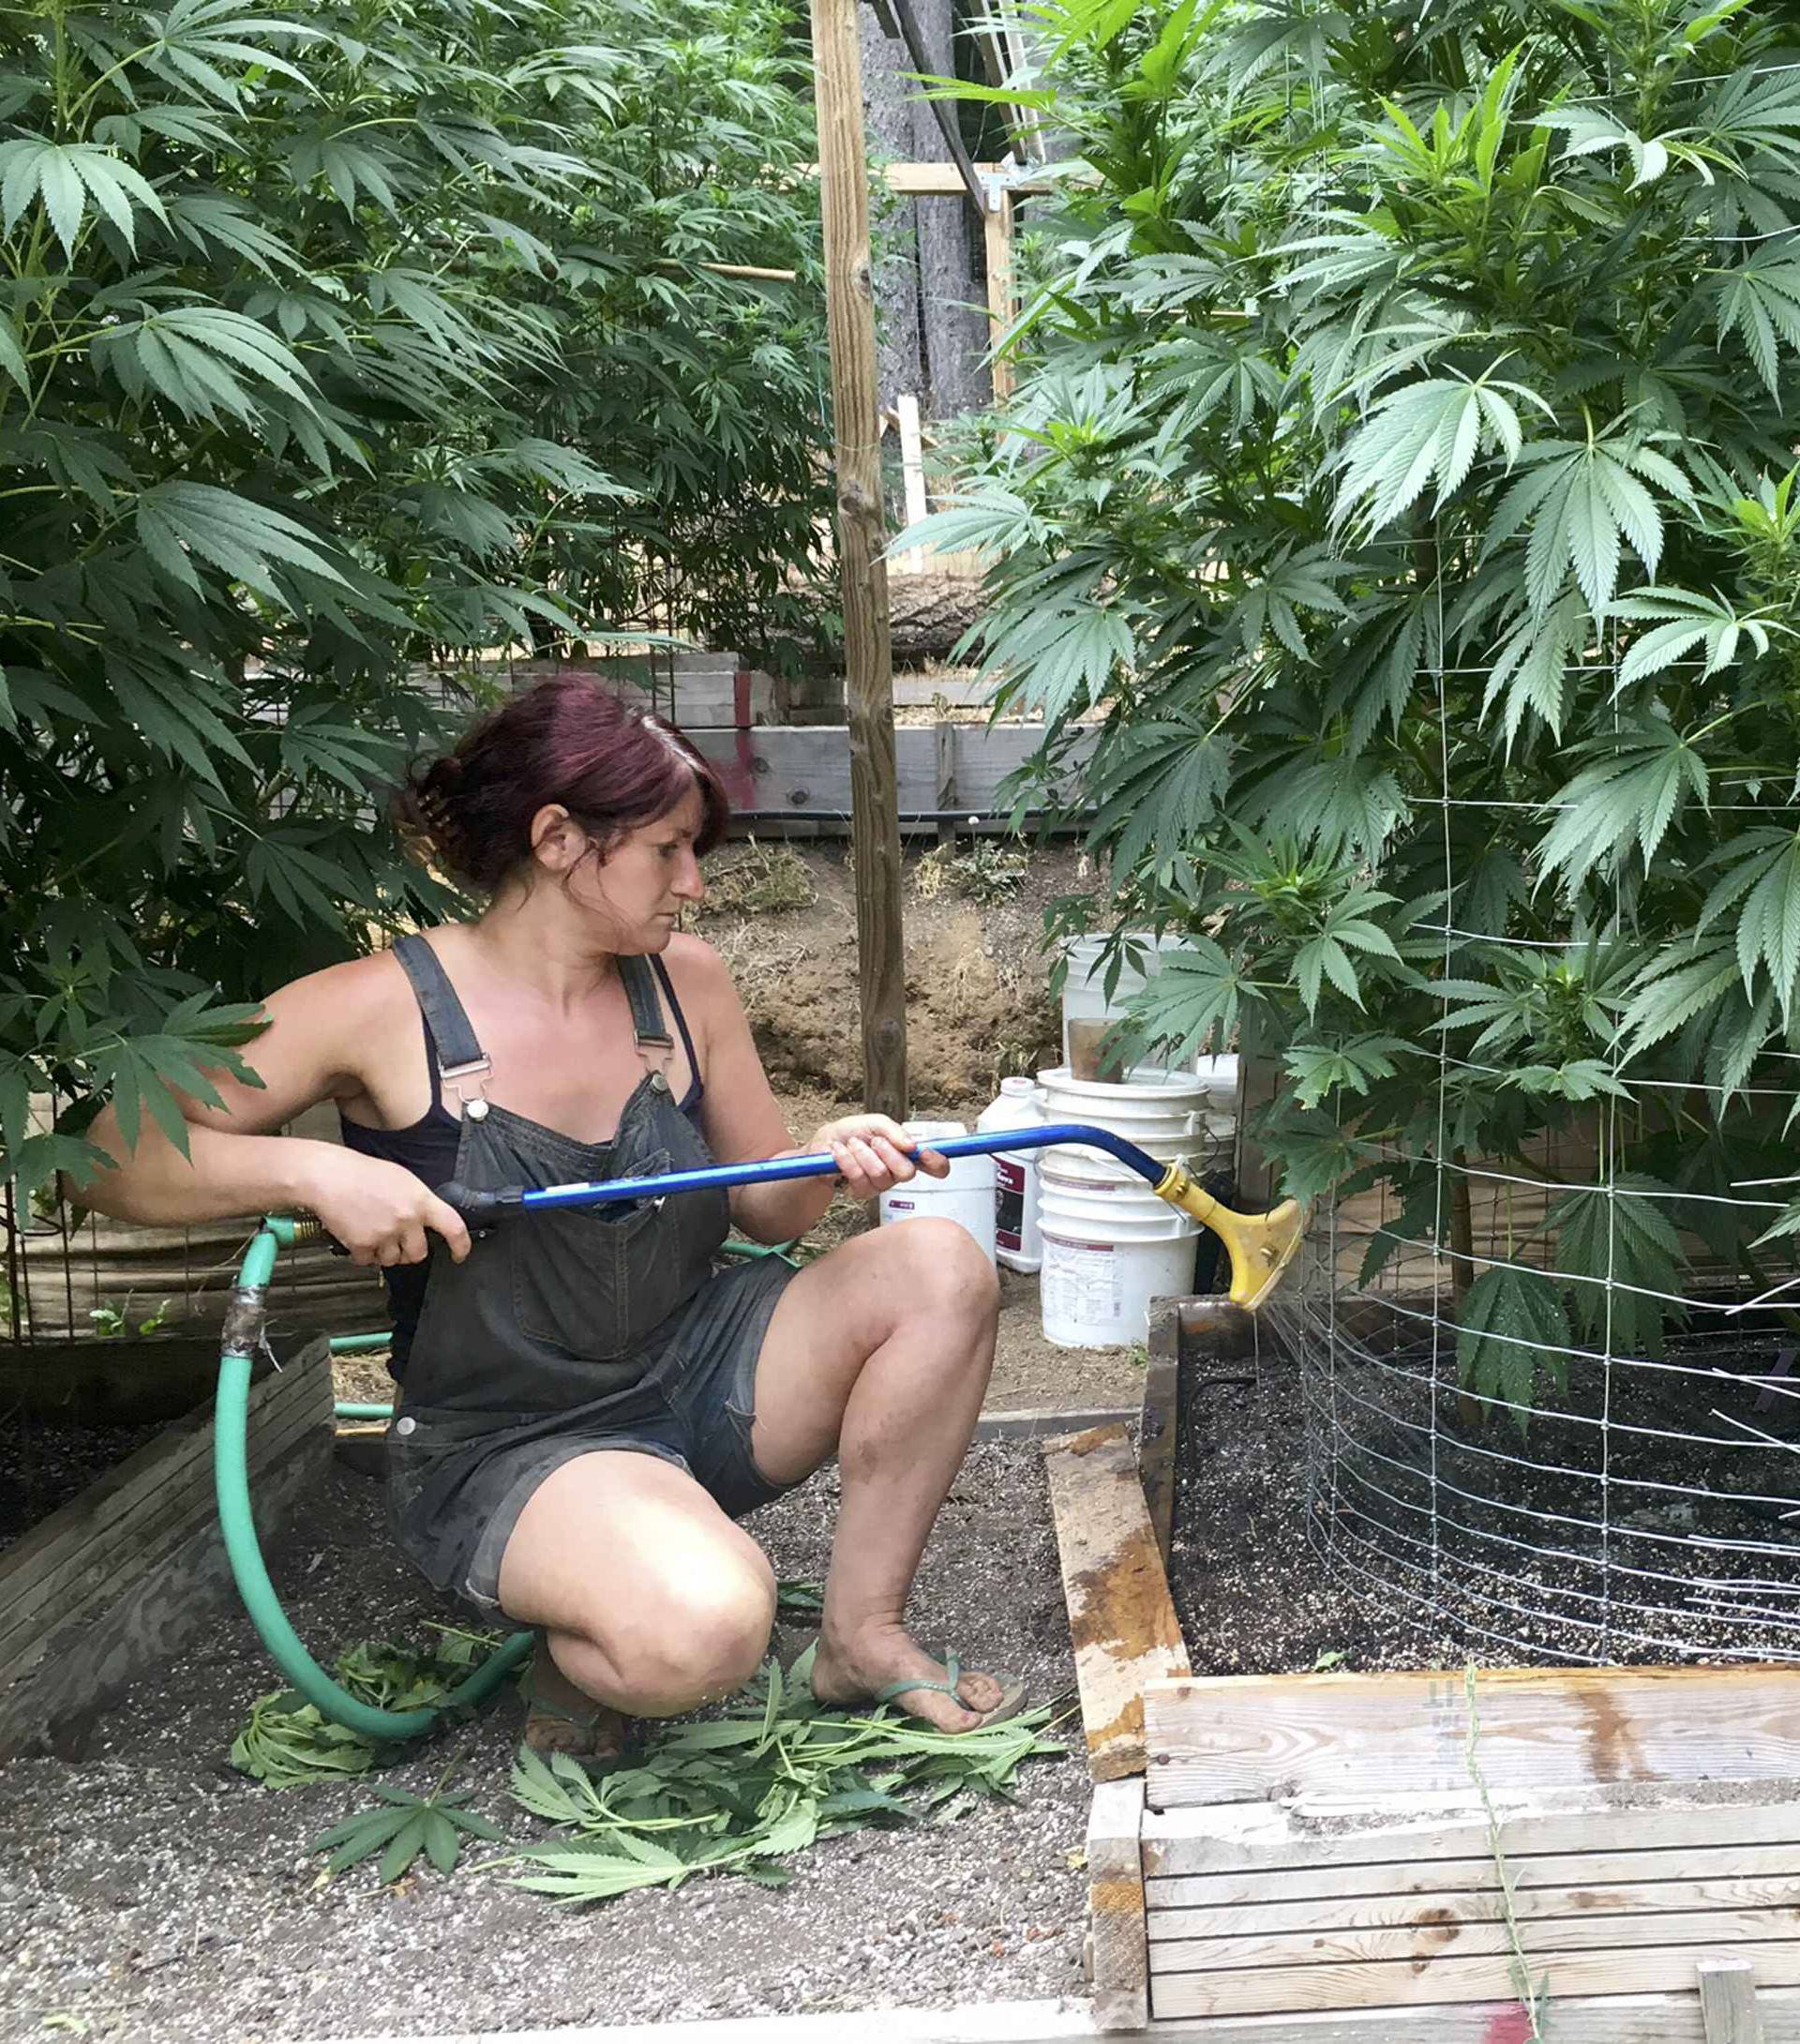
[585, 1729]
[585, 1726]
[1012, 1701]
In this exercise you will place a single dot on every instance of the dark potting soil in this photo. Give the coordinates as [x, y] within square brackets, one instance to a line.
[45, 1463]
[1353, 1514]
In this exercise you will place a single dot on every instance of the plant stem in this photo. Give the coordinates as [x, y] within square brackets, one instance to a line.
[1530, 1992]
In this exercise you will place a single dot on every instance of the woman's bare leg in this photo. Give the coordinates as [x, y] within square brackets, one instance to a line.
[650, 1599]
[881, 1351]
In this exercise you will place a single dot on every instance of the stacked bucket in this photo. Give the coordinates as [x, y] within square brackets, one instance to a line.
[1110, 1245]
[1102, 1243]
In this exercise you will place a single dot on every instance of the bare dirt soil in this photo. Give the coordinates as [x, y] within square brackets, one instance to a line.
[1274, 1572]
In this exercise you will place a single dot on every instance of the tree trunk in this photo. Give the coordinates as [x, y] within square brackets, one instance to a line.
[953, 294]
[930, 290]
[930, 613]
[887, 95]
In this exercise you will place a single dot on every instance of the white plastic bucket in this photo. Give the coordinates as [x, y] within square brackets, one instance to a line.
[966, 1197]
[1018, 1105]
[1084, 990]
[1164, 1113]
[1218, 1076]
[1109, 1249]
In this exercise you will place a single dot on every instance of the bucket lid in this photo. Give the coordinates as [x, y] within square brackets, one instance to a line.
[1147, 1081]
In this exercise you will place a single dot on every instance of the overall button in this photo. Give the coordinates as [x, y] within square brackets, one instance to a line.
[405, 1424]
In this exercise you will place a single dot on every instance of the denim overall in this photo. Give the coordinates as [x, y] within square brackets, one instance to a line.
[570, 1331]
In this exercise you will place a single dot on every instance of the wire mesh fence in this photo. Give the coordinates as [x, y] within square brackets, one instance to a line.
[1552, 1397]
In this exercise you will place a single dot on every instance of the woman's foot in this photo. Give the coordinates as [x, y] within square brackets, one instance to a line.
[854, 1670]
[561, 1719]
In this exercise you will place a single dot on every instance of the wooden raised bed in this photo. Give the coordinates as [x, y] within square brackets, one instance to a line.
[134, 1567]
[1328, 1859]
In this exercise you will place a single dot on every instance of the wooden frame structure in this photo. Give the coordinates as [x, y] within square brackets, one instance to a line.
[134, 1567]
[1399, 1858]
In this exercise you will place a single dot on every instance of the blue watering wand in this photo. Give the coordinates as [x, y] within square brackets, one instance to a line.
[1260, 1246]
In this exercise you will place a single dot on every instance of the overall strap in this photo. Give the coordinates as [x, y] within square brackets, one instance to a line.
[648, 1023]
[461, 1057]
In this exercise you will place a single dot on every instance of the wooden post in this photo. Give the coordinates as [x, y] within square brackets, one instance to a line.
[1728, 2002]
[997, 228]
[849, 313]
[912, 471]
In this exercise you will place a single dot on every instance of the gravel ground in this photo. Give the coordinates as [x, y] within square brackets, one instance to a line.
[148, 1892]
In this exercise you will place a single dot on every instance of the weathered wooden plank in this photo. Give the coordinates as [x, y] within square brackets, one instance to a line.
[1728, 2002]
[1159, 1426]
[1613, 2019]
[1038, 1422]
[1115, 1906]
[156, 1485]
[1428, 1941]
[1001, 301]
[1244, 1739]
[1120, 1614]
[1622, 2019]
[986, 754]
[166, 1582]
[1478, 1900]
[806, 767]
[91, 1574]
[1233, 1844]
[1412, 1983]
[912, 476]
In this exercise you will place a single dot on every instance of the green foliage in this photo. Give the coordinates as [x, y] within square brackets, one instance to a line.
[336, 341]
[289, 1741]
[401, 1826]
[986, 871]
[111, 1322]
[740, 1793]
[1404, 466]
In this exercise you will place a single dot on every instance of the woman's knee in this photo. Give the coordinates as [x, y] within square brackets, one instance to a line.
[702, 1640]
[942, 1271]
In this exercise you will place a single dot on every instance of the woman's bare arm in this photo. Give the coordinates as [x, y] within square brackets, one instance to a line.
[315, 1048]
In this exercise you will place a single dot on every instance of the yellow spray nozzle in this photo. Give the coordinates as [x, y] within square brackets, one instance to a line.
[1260, 1245]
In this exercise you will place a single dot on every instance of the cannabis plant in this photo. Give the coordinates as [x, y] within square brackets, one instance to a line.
[1405, 474]
[332, 338]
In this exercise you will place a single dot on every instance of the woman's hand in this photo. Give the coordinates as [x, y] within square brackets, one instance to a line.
[379, 1210]
[874, 1154]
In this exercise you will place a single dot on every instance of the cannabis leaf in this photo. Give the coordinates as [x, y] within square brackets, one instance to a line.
[401, 1826]
[1511, 1326]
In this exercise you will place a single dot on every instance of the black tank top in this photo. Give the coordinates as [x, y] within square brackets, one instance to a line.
[428, 1148]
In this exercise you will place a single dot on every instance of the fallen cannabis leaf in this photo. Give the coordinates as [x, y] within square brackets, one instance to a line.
[401, 1826]
[289, 1741]
[742, 1792]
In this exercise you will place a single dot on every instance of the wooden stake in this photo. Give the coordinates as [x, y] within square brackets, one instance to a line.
[997, 227]
[912, 469]
[849, 312]
[1728, 2002]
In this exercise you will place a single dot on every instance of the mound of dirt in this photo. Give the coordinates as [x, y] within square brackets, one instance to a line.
[977, 999]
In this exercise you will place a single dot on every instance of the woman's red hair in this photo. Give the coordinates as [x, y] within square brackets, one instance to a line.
[565, 740]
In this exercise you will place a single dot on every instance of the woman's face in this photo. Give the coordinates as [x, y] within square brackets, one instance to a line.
[638, 890]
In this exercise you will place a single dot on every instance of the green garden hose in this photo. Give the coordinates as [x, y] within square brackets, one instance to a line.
[243, 1335]
[245, 1325]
